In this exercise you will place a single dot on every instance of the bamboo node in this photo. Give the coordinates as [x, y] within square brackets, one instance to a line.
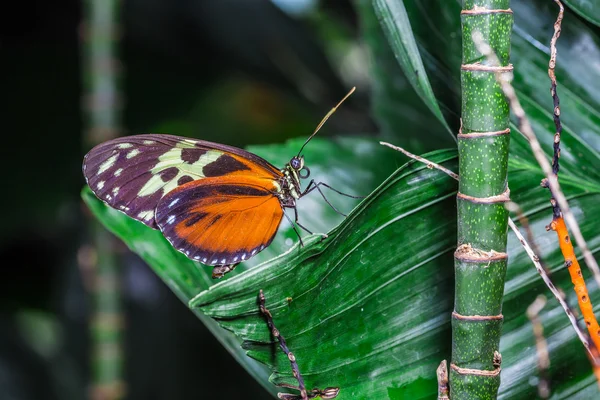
[486, 68]
[475, 135]
[478, 372]
[499, 198]
[456, 315]
[479, 10]
[467, 253]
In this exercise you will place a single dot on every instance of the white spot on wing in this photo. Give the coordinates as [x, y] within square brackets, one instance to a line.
[174, 202]
[148, 142]
[115, 190]
[215, 261]
[254, 252]
[108, 197]
[100, 185]
[118, 172]
[204, 260]
[107, 164]
[124, 145]
[146, 215]
[235, 258]
[244, 256]
[133, 153]
[224, 261]
[153, 185]
[171, 219]
[196, 257]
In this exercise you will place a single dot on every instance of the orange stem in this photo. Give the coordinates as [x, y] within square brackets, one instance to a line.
[585, 304]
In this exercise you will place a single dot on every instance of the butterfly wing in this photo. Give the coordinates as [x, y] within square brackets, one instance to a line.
[133, 173]
[220, 221]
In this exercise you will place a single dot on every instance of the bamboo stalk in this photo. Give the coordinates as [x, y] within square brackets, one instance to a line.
[481, 259]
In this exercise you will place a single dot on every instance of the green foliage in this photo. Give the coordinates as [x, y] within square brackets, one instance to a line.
[370, 305]
[396, 25]
[587, 9]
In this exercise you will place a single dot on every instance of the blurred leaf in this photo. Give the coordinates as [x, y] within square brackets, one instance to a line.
[396, 25]
[588, 9]
[400, 113]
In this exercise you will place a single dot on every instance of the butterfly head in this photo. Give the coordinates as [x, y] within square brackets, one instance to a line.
[297, 165]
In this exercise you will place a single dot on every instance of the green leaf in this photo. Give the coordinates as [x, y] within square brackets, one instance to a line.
[588, 9]
[369, 304]
[396, 25]
[399, 111]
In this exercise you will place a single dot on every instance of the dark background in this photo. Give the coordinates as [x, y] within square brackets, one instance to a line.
[232, 71]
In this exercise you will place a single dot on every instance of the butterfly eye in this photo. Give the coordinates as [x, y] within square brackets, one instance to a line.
[296, 163]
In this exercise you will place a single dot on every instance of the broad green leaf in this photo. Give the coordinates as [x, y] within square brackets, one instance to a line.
[396, 25]
[588, 9]
[369, 304]
[347, 164]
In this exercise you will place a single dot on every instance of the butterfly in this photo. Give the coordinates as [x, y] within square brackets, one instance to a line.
[217, 204]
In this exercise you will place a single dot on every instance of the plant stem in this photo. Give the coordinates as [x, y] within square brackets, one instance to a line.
[102, 110]
[481, 259]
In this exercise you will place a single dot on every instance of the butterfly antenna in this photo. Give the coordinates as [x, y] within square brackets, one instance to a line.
[334, 109]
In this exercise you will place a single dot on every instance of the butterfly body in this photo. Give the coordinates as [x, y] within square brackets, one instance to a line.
[217, 204]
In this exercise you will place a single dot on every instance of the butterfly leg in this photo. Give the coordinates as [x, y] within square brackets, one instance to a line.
[324, 235]
[294, 226]
[219, 271]
[313, 185]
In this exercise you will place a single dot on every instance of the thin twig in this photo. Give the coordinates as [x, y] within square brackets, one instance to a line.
[422, 160]
[532, 255]
[518, 211]
[283, 345]
[327, 393]
[533, 313]
[527, 130]
[442, 378]
[556, 110]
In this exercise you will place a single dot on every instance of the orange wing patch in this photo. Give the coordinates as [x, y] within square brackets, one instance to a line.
[222, 220]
